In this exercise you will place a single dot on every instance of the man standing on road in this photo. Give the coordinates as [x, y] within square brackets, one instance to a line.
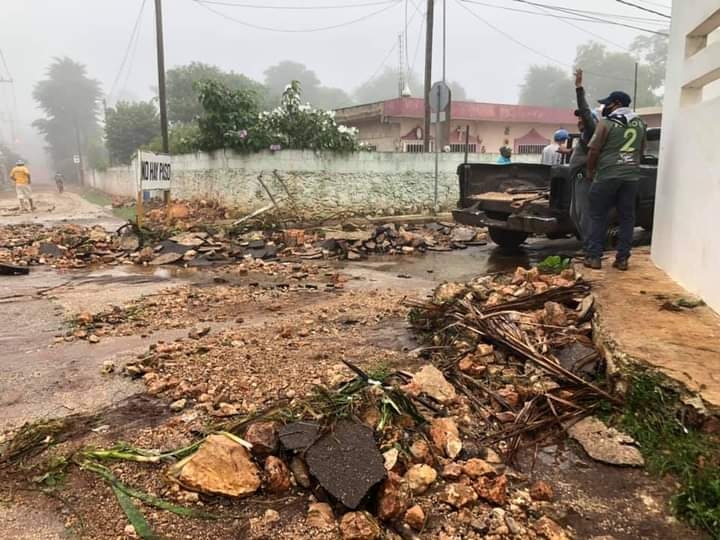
[20, 174]
[614, 167]
[551, 153]
[580, 203]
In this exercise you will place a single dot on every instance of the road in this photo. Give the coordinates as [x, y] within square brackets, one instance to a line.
[52, 207]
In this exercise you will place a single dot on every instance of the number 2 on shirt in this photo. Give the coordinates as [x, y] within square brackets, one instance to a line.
[631, 135]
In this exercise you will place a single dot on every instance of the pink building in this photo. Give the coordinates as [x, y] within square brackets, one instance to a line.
[396, 125]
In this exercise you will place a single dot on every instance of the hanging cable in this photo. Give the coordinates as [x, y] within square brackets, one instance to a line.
[624, 2]
[203, 4]
[528, 47]
[295, 7]
[566, 10]
[129, 47]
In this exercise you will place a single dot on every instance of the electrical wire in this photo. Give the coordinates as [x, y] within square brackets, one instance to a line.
[290, 7]
[565, 17]
[7, 70]
[624, 2]
[203, 4]
[586, 31]
[133, 54]
[528, 47]
[133, 35]
[560, 8]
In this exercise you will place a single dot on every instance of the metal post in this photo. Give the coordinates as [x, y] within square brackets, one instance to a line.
[444, 37]
[437, 157]
[161, 76]
[428, 71]
[635, 104]
[467, 142]
[81, 172]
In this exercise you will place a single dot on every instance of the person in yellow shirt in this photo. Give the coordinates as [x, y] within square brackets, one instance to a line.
[20, 174]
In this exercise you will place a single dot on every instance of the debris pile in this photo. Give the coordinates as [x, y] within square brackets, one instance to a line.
[195, 244]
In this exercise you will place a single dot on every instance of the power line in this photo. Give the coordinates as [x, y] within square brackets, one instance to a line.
[294, 30]
[7, 70]
[598, 36]
[295, 7]
[133, 54]
[567, 10]
[528, 47]
[643, 8]
[128, 48]
[580, 18]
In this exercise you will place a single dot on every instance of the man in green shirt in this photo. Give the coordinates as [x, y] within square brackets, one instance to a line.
[614, 167]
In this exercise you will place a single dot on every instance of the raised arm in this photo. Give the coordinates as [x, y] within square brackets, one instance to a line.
[583, 106]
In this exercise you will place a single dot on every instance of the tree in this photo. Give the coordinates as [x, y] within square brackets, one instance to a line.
[385, 86]
[278, 76]
[607, 71]
[297, 126]
[227, 118]
[183, 96]
[547, 86]
[653, 50]
[70, 101]
[129, 126]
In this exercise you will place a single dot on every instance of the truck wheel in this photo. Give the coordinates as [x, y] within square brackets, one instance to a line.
[507, 239]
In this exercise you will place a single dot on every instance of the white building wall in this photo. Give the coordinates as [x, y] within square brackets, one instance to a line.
[321, 183]
[686, 236]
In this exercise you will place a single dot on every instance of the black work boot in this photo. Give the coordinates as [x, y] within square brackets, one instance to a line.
[593, 262]
[621, 264]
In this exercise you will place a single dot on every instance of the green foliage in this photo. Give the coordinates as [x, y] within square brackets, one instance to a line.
[128, 127]
[96, 155]
[605, 71]
[385, 86]
[183, 139]
[549, 86]
[70, 101]
[231, 120]
[277, 77]
[554, 264]
[653, 417]
[183, 95]
[228, 116]
[297, 126]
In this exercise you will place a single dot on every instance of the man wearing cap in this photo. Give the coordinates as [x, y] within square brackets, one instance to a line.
[20, 174]
[614, 167]
[551, 153]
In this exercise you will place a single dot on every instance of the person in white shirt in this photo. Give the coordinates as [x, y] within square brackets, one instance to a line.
[551, 153]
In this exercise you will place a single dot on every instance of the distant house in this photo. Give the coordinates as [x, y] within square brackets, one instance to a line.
[396, 125]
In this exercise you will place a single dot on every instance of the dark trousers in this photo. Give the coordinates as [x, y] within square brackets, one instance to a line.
[580, 205]
[604, 196]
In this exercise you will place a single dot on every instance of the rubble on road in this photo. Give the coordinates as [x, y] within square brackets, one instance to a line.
[200, 242]
[427, 451]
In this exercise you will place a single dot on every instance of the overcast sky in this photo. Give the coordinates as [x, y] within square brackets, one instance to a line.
[96, 33]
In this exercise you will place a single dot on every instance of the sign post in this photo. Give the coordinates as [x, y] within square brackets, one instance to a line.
[439, 101]
[153, 173]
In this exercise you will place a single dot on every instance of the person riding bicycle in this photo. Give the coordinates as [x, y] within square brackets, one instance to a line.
[59, 181]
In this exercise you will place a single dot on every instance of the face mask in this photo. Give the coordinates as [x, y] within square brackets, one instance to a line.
[607, 109]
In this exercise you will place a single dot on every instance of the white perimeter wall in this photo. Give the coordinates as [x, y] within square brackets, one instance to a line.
[321, 184]
[686, 236]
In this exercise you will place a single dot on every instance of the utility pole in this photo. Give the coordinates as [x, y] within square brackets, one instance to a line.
[428, 72]
[635, 104]
[161, 76]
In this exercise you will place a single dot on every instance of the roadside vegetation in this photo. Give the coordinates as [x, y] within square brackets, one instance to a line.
[674, 444]
[103, 199]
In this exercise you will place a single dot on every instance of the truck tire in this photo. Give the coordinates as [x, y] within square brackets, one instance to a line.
[507, 239]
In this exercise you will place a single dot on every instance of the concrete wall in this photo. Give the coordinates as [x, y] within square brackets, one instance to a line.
[320, 183]
[686, 242]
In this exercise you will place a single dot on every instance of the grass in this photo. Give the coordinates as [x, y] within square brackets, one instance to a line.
[103, 199]
[653, 416]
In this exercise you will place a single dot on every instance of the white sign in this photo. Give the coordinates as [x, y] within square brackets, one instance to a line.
[154, 171]
[76, 159]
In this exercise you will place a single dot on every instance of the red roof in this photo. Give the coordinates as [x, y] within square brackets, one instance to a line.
[532, 137]
[489, 112]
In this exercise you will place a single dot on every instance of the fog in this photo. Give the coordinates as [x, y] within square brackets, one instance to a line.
[96, 33]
